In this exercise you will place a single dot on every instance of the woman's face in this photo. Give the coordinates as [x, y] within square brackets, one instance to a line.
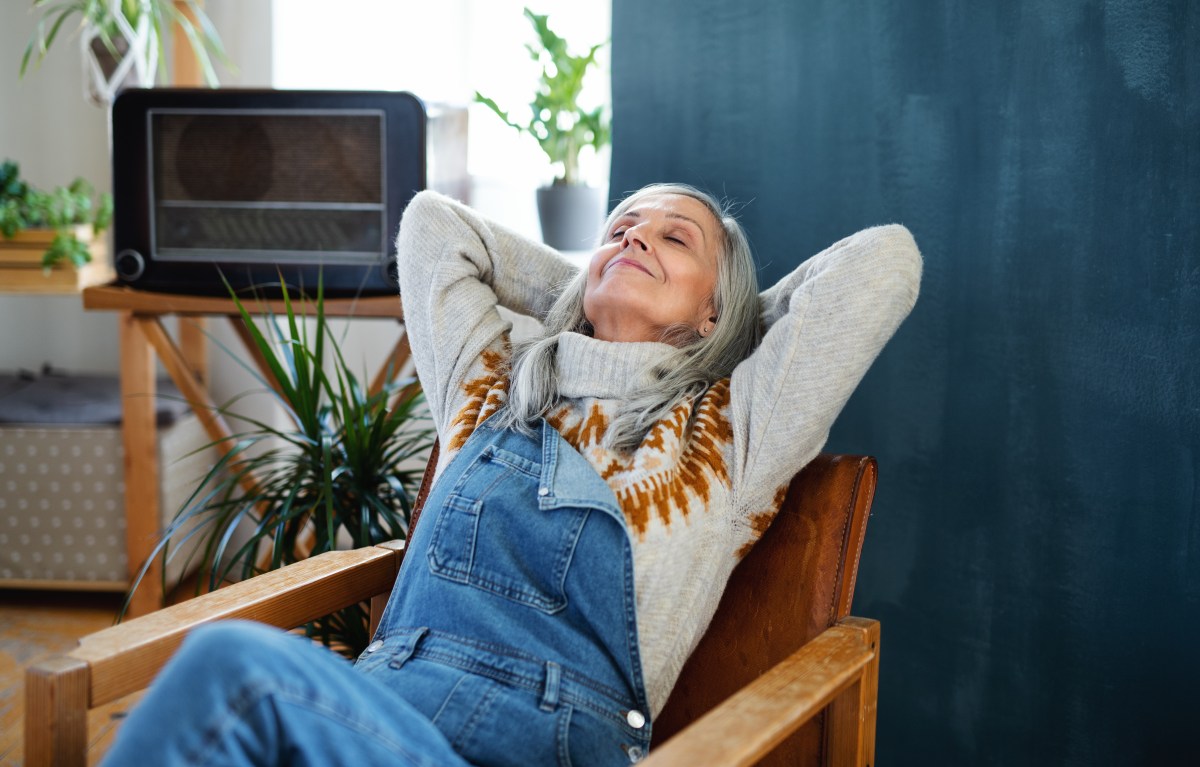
[657, 268]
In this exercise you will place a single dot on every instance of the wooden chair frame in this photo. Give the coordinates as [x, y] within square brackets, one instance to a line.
[837, 672]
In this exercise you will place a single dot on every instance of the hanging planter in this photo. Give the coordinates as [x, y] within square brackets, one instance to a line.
[111, 62]
[121, 39]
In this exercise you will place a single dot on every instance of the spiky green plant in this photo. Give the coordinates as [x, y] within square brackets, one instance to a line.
[347, 466]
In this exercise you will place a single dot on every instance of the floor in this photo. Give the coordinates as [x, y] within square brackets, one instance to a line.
[35, 625]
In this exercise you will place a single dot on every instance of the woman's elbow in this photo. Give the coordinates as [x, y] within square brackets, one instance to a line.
[425, 213]
[900, 258]
[887, 265]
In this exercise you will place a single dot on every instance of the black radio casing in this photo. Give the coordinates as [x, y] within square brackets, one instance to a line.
[252, 187]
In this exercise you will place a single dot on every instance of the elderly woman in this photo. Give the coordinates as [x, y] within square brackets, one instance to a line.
[596, 487]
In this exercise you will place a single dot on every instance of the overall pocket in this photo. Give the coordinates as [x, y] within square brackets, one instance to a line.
[492, 534]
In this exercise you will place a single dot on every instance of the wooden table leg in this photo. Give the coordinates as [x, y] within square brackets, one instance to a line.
[198, 398]
[193, 342]
[394, 363]
[140, 435]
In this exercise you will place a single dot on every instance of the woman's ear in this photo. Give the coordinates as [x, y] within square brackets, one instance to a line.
[707, 326]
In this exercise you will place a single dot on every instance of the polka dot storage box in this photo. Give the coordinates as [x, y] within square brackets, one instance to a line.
[62, 508]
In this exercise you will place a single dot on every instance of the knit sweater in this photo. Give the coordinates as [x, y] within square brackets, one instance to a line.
[707, 480]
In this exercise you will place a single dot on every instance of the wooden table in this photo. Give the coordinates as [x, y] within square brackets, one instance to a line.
[142, 338]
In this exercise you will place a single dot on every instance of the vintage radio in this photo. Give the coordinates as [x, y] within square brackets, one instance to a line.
[251, 186]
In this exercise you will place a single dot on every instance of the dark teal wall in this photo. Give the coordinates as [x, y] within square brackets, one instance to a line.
[1035, 550]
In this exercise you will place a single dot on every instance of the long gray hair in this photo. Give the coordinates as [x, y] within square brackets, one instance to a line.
[697, 362]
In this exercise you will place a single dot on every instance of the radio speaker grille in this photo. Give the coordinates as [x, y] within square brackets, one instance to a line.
[273, 187]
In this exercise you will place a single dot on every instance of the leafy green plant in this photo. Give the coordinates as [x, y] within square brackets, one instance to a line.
[162, 15]
[63, 208]
[346, 467]
[562, 128]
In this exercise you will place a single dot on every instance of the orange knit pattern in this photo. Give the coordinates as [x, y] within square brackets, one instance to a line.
[667, 476]
[670, 475]
[485, 395]
[761, 521]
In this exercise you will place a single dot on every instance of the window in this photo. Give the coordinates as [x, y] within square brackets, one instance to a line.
[443, 51]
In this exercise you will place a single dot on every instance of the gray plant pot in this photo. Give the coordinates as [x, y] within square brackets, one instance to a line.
[571, 216]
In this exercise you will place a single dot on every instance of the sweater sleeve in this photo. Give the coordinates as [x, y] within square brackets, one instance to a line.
[455, 267]
[827, 321]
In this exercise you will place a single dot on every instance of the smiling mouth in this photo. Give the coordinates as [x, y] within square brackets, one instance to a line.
[629, 262]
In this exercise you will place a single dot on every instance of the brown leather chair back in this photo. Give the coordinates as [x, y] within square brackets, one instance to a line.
[423, 491]
[797, 581]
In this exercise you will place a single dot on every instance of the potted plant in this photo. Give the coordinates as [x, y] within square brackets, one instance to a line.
[345, 469]
[56, 231]
[121, 39]
[571, 212]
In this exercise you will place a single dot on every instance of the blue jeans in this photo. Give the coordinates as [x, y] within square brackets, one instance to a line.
[510, 639]
[239, 693]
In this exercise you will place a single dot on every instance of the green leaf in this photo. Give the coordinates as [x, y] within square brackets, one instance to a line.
[104, 214]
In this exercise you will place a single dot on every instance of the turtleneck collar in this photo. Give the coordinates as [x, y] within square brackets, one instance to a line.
[588, 367]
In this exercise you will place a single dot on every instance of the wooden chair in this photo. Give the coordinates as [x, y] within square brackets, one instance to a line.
[782, 676]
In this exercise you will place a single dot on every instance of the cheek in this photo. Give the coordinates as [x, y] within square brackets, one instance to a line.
[600, 257]
[590, 297]
[701, 287]
[595, 272]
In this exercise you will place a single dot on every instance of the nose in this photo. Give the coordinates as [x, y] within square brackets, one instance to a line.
[635, 237]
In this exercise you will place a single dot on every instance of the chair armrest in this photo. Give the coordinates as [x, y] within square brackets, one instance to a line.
[126, 657]
[749, 724]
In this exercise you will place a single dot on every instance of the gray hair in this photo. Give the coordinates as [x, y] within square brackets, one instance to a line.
[697, 362]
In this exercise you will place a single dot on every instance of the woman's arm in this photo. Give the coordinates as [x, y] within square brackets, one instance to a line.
[827, 321]
[455, 267]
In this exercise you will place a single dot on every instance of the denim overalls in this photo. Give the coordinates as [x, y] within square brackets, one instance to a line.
[512, 623]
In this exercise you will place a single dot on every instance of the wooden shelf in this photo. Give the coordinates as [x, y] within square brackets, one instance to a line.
[21, 270]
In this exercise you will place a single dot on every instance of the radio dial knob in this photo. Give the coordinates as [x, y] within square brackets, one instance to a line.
[130, 265]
